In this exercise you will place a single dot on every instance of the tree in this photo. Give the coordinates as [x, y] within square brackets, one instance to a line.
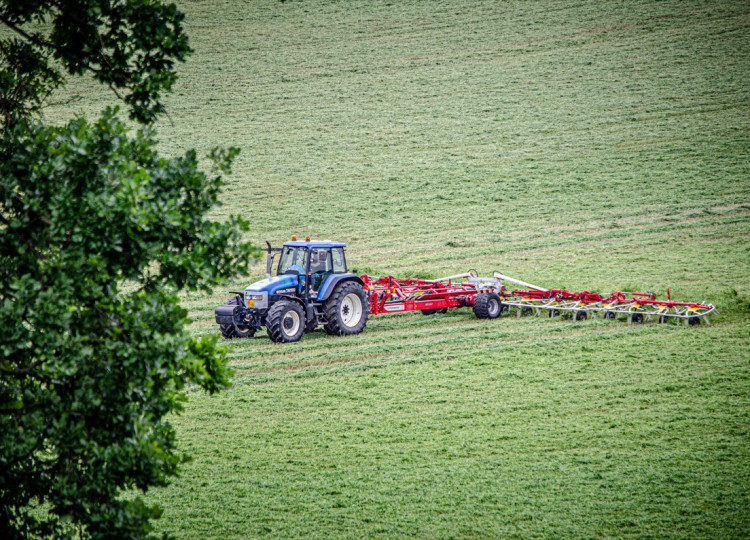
[98, 233]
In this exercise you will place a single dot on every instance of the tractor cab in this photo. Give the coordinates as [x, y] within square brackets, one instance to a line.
[311, 287]
[315, 260]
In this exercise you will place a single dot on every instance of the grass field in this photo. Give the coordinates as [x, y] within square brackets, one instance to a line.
[589, 145]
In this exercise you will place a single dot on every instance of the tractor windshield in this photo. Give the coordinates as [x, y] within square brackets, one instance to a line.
[293, 258]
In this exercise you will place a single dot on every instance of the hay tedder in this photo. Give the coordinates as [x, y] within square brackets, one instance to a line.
[490, 297]
[313, 287]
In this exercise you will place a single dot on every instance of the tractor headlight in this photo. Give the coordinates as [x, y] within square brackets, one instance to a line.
[256, 300]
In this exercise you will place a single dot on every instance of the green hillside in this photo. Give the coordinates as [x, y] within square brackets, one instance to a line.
[593, 145]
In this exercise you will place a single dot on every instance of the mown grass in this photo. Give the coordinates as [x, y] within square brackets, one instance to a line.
[455, 427]
[588, 145]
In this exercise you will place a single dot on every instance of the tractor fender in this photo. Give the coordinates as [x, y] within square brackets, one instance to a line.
[330, 284]
[278, 297]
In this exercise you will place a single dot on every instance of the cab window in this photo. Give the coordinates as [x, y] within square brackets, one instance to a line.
[339, 263]
[320, 261]
[292, 258]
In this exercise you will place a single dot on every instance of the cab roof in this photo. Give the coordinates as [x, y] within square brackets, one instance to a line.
[314, 244]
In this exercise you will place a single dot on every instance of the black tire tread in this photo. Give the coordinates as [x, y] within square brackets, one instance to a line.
[227, 331]
[274, 318]
[482, 305]
[331, 309]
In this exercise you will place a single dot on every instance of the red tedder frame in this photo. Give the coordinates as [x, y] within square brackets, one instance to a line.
[619, 298]
[388, 294]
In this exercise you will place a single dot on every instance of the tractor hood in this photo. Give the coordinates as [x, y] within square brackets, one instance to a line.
[274, 284]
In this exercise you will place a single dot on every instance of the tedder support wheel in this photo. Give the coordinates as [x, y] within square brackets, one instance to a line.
[487, 306]
[580, 315]
[346, 310]
[229, 331]
[637, 317]
[285, 321]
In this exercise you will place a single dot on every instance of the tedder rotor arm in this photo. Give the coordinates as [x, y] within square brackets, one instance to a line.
[498, 275]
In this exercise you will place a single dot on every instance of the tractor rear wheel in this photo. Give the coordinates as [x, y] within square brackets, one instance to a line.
[229, 331]
[346, 310]
[285, 322]
[487, 306]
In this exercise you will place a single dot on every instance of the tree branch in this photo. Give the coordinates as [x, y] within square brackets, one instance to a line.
[43, 43]
[25, 371]
[19, 411]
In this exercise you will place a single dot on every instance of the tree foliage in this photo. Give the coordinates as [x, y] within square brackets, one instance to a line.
[130, 45]
[97, 235]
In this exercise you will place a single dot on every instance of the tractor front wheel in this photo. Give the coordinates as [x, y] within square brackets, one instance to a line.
[285, 322]
[346, 310]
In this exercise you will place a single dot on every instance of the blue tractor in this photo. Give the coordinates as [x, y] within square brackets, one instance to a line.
[312, 287]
